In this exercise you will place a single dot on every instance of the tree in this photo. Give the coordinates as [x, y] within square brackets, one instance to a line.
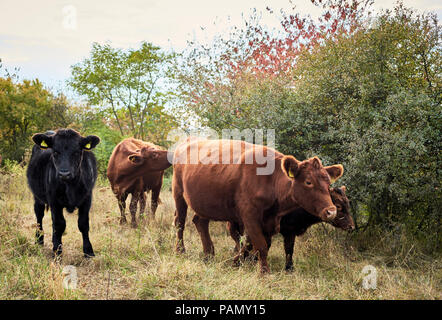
[131, 84]
[215, 79]
[25, 108]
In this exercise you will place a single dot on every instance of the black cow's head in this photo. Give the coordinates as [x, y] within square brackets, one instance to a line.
[67, 147]
[343, 218]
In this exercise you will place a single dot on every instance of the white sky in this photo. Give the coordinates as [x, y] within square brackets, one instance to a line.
[33, 37]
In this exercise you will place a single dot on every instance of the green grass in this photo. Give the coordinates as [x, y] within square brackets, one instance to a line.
[142, 264]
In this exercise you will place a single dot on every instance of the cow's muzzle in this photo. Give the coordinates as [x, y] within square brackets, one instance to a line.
[329, 213]
[65, 175]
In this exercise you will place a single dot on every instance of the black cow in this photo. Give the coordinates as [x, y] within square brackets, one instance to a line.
[298, 221]
[61, 174]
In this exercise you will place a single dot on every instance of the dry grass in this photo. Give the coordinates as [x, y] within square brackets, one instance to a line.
[141, 263]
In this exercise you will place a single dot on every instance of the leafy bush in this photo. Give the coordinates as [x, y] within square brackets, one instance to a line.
[11, 166]
[369, 98]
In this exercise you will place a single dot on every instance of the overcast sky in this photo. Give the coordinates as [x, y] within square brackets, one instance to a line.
[41, 38]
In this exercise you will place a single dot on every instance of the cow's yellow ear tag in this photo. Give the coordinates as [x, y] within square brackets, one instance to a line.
[291, 175]
[88, 146]
[43, 144]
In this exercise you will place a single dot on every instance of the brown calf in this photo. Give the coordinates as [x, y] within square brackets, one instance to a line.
[135, 167]
[228, 188]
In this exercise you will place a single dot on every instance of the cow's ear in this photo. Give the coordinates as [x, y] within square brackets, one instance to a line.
[89, 142]
[335, 172]
[290, 166]
[42, 140]
[135, 158]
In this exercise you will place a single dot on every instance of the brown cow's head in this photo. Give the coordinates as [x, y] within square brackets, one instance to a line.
[310, 185]
[343, 218]
[152, 158]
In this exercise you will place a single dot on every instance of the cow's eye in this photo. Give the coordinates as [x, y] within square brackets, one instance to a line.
[338, 207]
[309, 183]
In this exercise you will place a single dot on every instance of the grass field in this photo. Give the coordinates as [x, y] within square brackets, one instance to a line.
[141, 263]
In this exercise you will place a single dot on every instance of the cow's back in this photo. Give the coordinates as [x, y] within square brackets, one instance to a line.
[214, 190]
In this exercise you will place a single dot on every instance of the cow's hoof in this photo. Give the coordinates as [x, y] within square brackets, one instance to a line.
[208, 257]
[123, 220]
[237, 261]
[133, 224]
[251, 258]
[88, 251]
[39, 237]
[180, 250]
[264, 271]
[289, 268]
[57, 254]
[89, 255]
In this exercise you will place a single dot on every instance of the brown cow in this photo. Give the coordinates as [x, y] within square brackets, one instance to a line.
[135, 167]
[298, 221]
[229, 188]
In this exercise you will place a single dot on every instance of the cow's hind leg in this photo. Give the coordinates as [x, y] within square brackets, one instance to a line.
[180, 221]
[83, 226]
[133, 208]
[122, 205]
[39, 209]
[235, 234]
[58, 228]
[202, 225]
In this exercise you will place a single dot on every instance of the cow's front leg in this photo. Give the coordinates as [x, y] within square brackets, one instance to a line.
[289, 243]
[142, 204]
[39, 209]
[58, 228]
[83, 226]
[122, 205]
[133, 209]
[155, 200]
[254, 230]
